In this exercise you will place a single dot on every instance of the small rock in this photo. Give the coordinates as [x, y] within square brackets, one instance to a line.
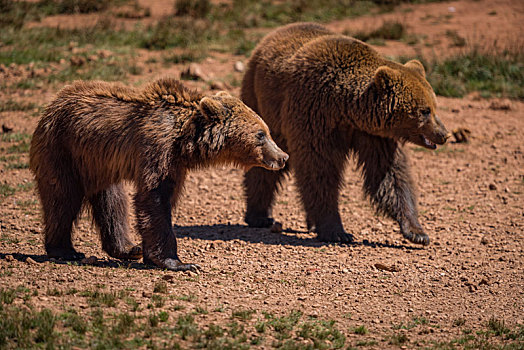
[29, 260]
[77, 61]
[167, 277]
[92, 58]
[276, 227]
[191, 274]
[9, 258]
[383, 267]
[239, 66]
[193, 72]
[147, 294]
[6, 129]
[492, 187]
[344, 270]
[484, 240]
[455, 110]
[218, 85]
[72, 44]
[90, 260]
[483, 282]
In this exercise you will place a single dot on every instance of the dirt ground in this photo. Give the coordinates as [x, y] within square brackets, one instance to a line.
[470, 201]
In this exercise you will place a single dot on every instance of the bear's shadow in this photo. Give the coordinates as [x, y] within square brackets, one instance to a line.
[264, 235]
[214, 233]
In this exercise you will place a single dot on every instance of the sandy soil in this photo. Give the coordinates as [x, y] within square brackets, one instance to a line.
[470, 201]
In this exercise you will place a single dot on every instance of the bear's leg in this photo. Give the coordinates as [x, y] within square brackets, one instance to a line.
[61, 196]
[319, 179]
[110, 212]
[261, 186]
[153, 213]
[388, 182]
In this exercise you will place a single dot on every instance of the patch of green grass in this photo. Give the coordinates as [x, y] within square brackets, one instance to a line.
[193, 8]
[398, 339]
[25, 327]
[6, 190]
[15, 137]
[360, 330]
[244, 315]
[12, 106]
[158, 300]
[98, 298]
[160, 287]
[496, 73]
[322, 333]
[498, 327]
[389, 30]
[456, 39]
[187, 297]
[184, 57]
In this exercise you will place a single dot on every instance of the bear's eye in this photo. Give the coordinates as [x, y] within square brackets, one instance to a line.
[261, 135]
[426, 112]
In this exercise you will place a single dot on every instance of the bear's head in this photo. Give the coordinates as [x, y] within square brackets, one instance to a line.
[246, 137]
[409, 105]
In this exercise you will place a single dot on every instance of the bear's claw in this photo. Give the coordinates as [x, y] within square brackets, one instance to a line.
[177, 265]
[173, 264]
[418, 238]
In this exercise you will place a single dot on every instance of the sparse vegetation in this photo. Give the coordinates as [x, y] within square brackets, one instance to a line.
[492, 73]
[389, 30]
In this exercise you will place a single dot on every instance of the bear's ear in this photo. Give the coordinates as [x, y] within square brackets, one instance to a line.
[416, 66]
[211, 108]
[385, 77]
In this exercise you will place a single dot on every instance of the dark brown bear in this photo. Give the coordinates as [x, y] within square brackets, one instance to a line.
[325, 96]
[95, 135]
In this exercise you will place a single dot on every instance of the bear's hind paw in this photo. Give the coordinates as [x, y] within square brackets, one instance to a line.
[177, 265]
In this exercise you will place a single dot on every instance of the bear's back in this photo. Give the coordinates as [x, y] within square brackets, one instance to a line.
[284, 42]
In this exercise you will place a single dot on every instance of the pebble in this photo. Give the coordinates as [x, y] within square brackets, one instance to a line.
[276, 227]
[239, 66]
[9, 258]
[30, 260]
[167, 277]
[193, 72]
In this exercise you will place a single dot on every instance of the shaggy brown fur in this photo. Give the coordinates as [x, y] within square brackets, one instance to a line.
[95, 135]
[325, 96]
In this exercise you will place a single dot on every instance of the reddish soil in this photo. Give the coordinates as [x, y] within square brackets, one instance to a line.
[470, 200]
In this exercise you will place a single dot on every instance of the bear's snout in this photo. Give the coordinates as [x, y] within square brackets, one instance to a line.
[273, 158]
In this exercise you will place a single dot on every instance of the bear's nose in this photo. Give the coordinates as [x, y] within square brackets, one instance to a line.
[282, 161]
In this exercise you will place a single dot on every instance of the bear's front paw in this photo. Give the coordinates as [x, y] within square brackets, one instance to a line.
[416, 236]
[335, 236]
[68, 254]
[259, 221]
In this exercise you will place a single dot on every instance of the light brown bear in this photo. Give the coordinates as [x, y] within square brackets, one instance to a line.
[95, 135]
[324, 97]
